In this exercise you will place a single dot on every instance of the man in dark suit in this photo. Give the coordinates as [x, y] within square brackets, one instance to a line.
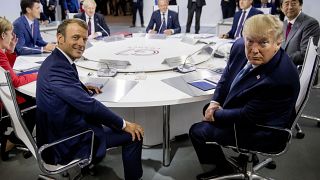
[172, 2]
[71, 6]
[137, 5]
[49, 8]
[66, 108]
[228, 8]
[298, 32]
[164, 21]
[26, 27]
[96, 22]
[240, 17]
[194, 6]
[258, 87]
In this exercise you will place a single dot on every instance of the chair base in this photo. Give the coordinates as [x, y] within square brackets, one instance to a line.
[247, 176]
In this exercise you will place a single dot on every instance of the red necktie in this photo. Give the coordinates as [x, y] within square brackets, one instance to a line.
[288, 29]
[89, 26]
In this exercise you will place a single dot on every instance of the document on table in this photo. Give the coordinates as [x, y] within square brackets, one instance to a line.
[27, 63]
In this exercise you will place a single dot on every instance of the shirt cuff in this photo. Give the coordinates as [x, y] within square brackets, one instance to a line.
[99, 34]
[172, 30]
[124, 125]
[215, 102]
[41, 49]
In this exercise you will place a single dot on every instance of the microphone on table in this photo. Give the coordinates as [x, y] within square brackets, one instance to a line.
[103, 29]
[185, 68]
[160, 27]
[107, 72]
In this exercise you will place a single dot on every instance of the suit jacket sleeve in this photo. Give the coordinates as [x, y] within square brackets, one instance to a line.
[312, 29]
[102, 23]
[39, 42]
[151, 22]
[176, 24]
[66, 86]
[21, 48]
[6, 62]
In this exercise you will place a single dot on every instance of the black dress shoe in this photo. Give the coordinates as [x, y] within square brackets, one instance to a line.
[227, 170]
[132, 26]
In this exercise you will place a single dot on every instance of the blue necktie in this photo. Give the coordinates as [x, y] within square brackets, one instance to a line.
[242, 73]
[164, 24]
[239, 29]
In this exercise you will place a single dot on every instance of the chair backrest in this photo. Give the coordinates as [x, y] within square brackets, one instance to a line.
[8, 98]
[307, 77]
[174, 8]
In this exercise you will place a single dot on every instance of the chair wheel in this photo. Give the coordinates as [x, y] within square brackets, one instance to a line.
[318, 124]
[300, 135]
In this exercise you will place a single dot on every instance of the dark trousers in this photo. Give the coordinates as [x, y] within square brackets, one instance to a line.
[136, 6]
[131, 151]
[228, 11]
[51, 15]
[203, 132]
[197, 10]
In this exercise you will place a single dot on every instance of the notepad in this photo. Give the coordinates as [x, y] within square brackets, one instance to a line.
[203, 85]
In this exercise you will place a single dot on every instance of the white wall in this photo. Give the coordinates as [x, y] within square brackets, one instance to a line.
[311, 7]
[10, 9]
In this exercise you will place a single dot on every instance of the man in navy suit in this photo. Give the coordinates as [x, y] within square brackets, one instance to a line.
[258, 87]
[71, 6]
[194, 6]
[49, 8]
[240, 17]
[164, 21]
[26, 27]
[96, 22]
[66, 108]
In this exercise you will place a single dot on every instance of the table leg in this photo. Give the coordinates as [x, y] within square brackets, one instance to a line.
[166, 136]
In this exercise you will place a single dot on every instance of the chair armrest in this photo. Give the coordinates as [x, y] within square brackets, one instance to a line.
[55, 169]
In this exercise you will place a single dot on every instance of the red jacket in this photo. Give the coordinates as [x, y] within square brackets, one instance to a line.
[6, 62]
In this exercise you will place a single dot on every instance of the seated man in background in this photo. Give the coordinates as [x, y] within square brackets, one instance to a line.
[66, 108]
[164, 21]
[96, 22]
[266, 4]
[260, 88]
[239, 18]
[26, 27]
[298, 27]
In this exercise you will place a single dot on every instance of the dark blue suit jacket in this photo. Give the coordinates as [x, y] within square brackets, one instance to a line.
[98, 19]
[172, 21]
[72, 5]
[25, 39]
[265, 96]
[236, 18]
[65, 108]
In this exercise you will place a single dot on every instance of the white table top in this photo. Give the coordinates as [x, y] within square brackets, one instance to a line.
[150, 89]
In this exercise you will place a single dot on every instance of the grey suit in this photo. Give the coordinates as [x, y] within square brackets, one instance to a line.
[297, 41]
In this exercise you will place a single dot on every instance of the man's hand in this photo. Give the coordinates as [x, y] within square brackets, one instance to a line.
[167, 32]
[94, 89]
[135, 130]
[151, 31]
[224, 36]
[49, 47]
[210, 111]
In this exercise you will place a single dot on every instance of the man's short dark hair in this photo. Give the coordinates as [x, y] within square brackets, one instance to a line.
[63, 26]
[300, 1]
[24, 4]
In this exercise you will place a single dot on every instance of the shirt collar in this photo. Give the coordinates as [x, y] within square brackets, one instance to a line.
[87, 17]
[247, 10]
[29, 21]
[69, 59]
[294, 20]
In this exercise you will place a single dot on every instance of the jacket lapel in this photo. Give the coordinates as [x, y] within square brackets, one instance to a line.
[26, 24]
[295, 27]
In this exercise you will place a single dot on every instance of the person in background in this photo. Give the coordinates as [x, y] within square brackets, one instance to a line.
[49, 8]
[26, 27]
[172, 2]
[65, 107]
[266, 4]
[228, 8]
[71, 6]
[239, 18]
[8, 41]
[298, 27]
[96, 22]
[194, 6]
[164, 21]
[258, 88]
[137, 5]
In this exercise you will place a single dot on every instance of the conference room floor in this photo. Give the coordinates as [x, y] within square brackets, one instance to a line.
[300, 162]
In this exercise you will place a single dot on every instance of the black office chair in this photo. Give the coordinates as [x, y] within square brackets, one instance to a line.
[247, 170]
[8, 98]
